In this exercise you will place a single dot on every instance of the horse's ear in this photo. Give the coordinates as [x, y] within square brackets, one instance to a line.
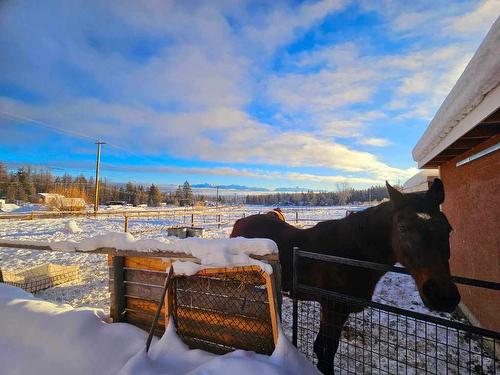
[436, 192]
[395, 195]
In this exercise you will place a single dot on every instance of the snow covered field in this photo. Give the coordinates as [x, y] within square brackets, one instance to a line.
[392, 337]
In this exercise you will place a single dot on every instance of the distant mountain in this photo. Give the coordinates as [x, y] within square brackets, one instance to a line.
[234, 188]
[228, 187]
[291, 189]
[166, 188]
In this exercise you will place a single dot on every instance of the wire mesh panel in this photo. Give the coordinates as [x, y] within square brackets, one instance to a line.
[383, 342]
[41, 277]
[224, 311]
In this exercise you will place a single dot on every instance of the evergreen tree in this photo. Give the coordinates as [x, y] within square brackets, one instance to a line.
[130, 192]
[142, 197]
[21, 193]
[187, 194]
[179, 196]
[4, 180]
[10, 193]
[154, 196]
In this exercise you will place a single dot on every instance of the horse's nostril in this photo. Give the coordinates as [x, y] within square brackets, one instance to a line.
[429, 288]
[456, 296]
[441, 298]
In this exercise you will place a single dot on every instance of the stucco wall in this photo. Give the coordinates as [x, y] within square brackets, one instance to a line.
[472, 205]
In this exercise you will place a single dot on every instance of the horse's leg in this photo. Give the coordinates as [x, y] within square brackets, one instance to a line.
[333, 316]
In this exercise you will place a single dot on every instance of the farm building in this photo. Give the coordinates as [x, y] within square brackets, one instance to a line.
[421, 181]
[48, 199]
[463, 142]
[60, 202]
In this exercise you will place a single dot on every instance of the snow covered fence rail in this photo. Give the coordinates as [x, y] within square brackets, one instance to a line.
[383, 338]
[46, 246]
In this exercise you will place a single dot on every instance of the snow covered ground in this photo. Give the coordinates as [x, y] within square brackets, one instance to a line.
[58, 339]
[371, 337]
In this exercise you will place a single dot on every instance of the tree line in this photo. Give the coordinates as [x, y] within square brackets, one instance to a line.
[344, 195]
[24, 183]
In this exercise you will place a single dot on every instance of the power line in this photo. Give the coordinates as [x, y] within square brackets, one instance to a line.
[15, 117]
[97, 167]
[70, 133]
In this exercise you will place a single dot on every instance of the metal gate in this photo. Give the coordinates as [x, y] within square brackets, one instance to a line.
[384, 339]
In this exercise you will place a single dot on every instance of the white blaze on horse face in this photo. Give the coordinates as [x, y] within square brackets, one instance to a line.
[424, 215]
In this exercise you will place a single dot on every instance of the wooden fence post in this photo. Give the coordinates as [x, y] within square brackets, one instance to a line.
[126, 223]
[296, 217]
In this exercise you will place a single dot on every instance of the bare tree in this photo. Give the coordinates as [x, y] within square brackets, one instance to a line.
[344, 191]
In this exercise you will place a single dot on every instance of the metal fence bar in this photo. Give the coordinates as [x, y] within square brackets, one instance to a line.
[120, 302]
[399, 311]
[295, 306]
[388, 268]
[382, 338]
[295, 321]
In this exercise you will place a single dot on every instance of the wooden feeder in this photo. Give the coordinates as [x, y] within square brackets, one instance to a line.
[218, 309]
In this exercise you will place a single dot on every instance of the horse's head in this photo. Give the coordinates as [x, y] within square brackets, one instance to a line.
[420, 239]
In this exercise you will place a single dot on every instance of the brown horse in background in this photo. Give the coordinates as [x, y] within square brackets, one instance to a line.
[409, 229]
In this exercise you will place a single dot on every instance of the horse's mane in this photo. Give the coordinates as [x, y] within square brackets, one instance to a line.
[360, 219]
[358, 226]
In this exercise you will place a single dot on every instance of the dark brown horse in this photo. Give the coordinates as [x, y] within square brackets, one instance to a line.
[409, 229]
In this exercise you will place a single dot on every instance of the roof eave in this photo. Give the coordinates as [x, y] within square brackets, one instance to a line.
[483, 110]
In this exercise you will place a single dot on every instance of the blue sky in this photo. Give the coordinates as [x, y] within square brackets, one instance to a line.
[257, 93]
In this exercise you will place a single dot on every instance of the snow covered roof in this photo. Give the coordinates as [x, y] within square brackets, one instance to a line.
[50, 195]
[420, 182]
[475, 96]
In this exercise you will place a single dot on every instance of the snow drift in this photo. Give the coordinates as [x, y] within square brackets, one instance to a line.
[44, 338]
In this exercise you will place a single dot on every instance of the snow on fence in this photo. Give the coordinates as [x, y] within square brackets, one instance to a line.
[384, 339]
[215, 308]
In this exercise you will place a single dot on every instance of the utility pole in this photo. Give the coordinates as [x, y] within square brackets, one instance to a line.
[217, 207]
[97, 167]
[217, 199]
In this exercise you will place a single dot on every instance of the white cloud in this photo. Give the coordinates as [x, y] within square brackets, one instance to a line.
[243, 172]
[418, 83]
[188, 96]
[474, 22]
[221, 135]
[278, 26]
[377, 142]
